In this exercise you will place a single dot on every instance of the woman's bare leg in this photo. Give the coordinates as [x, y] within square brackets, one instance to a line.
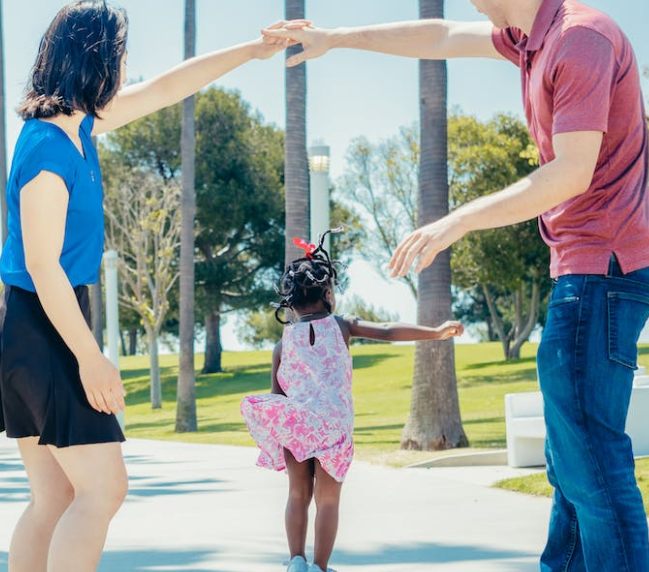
[51, 494]
[98, 476]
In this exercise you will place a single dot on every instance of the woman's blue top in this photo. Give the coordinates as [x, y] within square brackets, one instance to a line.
[43, 146]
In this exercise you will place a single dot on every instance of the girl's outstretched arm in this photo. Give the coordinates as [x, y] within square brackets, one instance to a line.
[277, 358]
[181, 81]
[398, 332]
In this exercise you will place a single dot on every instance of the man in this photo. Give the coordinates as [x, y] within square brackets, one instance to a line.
[583, 103]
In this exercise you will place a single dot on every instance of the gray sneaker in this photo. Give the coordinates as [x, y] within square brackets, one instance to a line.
[297, 564]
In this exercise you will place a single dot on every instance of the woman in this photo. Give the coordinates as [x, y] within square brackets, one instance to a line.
[60, 394]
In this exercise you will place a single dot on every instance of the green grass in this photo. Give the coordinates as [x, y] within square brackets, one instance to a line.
[382, 383]
[538, 484]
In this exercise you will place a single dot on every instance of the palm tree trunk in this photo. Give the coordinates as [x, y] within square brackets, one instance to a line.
[434, 422]
[296, 177]
[213, 348]
[186, 399]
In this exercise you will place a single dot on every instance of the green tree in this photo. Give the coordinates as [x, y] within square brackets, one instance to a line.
[143, 225]
[508, 266]
[239, 222]
[240, 216]
[380, 187]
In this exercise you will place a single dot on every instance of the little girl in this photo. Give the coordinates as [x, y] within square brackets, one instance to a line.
[305, 424]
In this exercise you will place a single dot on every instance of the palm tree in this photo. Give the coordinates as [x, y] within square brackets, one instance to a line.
[434, 422]
[186, 404]
[296, 175]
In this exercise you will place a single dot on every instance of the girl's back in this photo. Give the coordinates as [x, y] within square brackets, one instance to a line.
[316, 368]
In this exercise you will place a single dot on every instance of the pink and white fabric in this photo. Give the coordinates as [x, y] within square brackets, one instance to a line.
[316, 416]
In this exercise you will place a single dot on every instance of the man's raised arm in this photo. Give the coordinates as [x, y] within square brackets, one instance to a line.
[424, 39]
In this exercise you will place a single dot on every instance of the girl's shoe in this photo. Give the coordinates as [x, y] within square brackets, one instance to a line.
[315, 568]
[298, 564]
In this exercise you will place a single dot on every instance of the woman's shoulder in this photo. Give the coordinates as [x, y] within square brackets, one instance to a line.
[39, 137]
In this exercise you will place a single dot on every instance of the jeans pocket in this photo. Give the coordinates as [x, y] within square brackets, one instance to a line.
[627, 314]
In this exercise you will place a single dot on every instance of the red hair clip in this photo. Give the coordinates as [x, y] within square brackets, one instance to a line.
[308, 247]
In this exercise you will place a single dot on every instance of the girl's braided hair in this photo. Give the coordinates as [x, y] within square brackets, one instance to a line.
[306, 279]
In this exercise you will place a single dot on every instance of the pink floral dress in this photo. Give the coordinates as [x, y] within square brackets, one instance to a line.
[316, 417]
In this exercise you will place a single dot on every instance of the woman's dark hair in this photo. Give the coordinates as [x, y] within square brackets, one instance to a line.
[306, 279]
[78, 67]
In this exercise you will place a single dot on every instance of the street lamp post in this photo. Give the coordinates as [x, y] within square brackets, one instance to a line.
[319, 159]
[111, 261]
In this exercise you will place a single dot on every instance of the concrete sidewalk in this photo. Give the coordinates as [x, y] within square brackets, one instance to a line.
[207, 508]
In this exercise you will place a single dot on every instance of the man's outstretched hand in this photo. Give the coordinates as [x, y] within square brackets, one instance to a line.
[315, 41]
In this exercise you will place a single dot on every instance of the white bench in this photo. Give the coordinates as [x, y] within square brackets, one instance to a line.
[525, 426]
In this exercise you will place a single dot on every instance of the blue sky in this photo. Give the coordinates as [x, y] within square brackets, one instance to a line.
[350, 93]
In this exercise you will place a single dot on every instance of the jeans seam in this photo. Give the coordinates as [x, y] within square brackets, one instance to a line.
[573, 543]
[588, 439]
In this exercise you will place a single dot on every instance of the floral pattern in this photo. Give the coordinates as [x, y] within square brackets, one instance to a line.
[315, 419]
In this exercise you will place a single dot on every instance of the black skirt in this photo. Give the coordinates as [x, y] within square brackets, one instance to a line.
[41, 394]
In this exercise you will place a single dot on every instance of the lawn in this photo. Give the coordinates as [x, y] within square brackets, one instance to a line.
[382, 382]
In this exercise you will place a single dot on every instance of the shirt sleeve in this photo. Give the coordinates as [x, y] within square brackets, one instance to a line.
[46, 156]
[583, 77]
[505, 41]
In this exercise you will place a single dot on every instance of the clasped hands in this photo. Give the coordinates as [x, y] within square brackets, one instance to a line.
[423, 244]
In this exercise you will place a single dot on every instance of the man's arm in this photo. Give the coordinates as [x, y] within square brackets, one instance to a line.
[568, 175]
[425, 39]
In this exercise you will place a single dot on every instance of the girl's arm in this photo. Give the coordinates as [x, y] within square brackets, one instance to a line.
[277, 358]
[43, 207]
[398, 332]
[183, 80]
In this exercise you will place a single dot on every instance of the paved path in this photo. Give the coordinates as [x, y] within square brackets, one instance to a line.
[207, 508]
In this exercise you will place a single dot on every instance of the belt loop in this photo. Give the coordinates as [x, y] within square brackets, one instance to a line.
[613, 266]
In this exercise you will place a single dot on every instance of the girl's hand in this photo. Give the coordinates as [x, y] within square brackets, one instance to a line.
[267, 46]
[450, 329]
[102, 383]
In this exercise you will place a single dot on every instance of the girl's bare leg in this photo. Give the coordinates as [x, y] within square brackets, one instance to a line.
[98, 476]
[327, 500]
[300, 478]
[50, 495]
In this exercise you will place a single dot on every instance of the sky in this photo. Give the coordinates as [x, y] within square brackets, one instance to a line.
[350, 93]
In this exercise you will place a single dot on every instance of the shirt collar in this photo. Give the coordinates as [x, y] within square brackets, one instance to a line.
[542, 23]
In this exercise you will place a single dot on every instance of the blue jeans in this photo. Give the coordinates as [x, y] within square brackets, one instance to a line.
[585, 363]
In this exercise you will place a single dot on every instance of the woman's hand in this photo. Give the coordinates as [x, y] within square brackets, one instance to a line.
[315, 41]
[268, 45]
[102, 383]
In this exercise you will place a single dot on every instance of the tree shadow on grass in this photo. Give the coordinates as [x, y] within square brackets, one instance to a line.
[363, 361]
[371, 428]
[502, 363]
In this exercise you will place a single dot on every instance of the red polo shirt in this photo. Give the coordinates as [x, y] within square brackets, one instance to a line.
[579, 73]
